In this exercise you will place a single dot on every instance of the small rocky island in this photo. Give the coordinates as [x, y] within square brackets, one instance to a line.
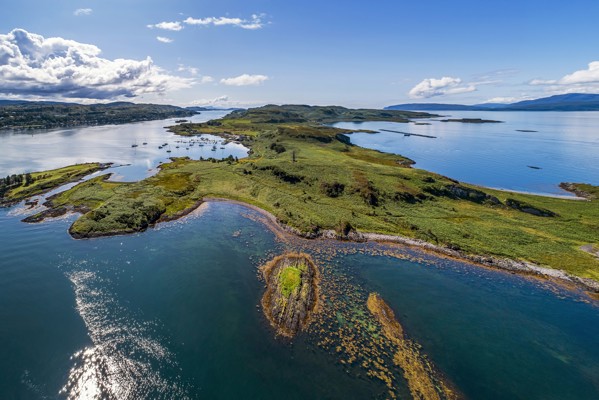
[423, 379]
[292, 292]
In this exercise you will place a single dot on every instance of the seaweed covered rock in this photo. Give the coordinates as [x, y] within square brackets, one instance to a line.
[292, 292]
[424, 380]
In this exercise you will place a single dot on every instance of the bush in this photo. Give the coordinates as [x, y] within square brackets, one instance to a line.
[334, 189]
[279, 148]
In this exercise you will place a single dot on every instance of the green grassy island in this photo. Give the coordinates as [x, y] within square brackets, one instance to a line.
[315, 182]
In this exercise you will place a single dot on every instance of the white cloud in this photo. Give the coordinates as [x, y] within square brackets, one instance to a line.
[581, 81]
[167, 26]
[32, 65]
[255, 22]
[540, 82]
[507, 100]
[193, 71]
[245, 80]
[590, 75]
[225, 101]
[432, 87]
[190, 70]
[82, 11]
[164, 39]
[217, 101]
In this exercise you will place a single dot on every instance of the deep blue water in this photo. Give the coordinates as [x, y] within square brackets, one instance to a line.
[171, 313]
[565, 148]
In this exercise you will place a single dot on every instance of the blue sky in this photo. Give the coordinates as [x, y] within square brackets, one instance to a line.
[243, 53]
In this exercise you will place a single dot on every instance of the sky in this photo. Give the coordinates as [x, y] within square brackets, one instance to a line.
[240, 53]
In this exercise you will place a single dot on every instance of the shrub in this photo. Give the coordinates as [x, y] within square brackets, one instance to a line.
[333, 189]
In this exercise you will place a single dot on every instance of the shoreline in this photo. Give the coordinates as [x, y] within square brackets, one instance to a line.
[522, 268]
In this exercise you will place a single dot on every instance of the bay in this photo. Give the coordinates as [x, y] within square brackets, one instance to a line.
[564, 147]
[39, 150]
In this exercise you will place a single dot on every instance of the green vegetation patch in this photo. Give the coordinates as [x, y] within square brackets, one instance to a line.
[15, 188]
[330, 184]
[290, 280]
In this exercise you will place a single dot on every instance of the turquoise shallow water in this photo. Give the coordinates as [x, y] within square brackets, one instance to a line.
[172, 313]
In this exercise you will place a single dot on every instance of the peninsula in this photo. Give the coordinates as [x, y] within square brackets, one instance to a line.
[316, 183]
[47, 115]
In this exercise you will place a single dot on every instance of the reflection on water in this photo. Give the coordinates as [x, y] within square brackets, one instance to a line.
[126, 360]
[564, 148]
[41, 149]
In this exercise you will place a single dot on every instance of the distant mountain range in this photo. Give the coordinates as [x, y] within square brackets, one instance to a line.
[562, 102]
[211, 108]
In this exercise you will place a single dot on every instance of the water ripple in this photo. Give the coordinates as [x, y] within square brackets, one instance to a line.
[126, 360]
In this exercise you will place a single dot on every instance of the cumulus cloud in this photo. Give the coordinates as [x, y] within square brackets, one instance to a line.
[167, 26]
[244, 80]
[589, 75]
[584, 81]
[32, 65]
[82, 11]
[255, 22]
[432, 87]
[164, 39]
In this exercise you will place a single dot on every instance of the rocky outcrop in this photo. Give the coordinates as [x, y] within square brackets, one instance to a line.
[423, 380]
[529, 209]
[292, 292]
[577, 190]
[462, 193]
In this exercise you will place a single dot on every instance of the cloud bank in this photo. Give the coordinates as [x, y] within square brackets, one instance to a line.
[32, 65]
[245, 80]
[432, 87]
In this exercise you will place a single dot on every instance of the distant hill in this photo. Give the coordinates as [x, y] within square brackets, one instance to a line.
[562, 102]
[211, 108]
[16, 114]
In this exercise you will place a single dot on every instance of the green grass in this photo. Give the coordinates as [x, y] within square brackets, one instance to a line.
[380, 193]
[51, 179]
[290, 279]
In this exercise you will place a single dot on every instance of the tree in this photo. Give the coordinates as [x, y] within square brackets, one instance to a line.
[28, 179]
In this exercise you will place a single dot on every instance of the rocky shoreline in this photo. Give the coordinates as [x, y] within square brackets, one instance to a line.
[512, 266]
[505, 264]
